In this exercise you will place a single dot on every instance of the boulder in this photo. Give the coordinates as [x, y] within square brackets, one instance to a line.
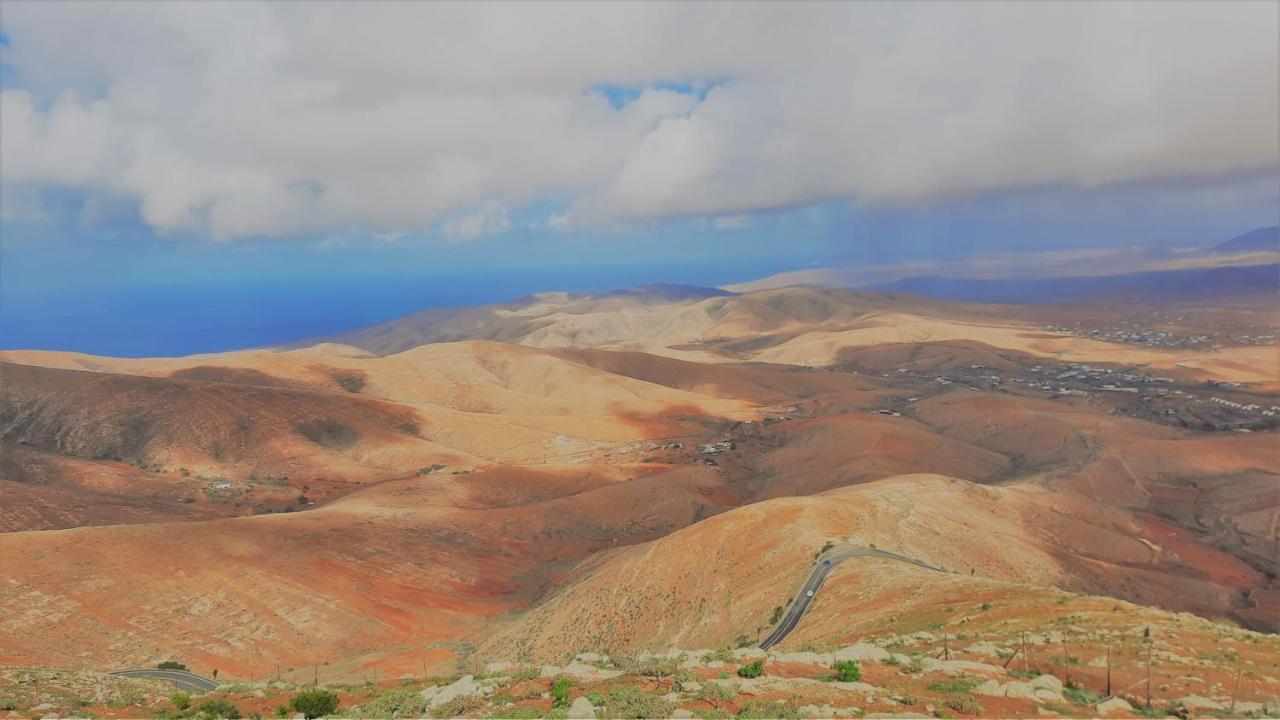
[808, 658]
[581, 709]
[681, 714]
[590, 657]
[1114, 705]
[861, 652]
[1049, 682]
[991, 688]
[588, 672]
[690, 686]
[464, 686]
[1196, 702]
[495, 668]
[858, 687]
[749, 654]
[1047, 695]
[1020, 691]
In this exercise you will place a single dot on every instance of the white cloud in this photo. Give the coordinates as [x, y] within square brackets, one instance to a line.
[489, 219]
[241, 119]
[732, 222]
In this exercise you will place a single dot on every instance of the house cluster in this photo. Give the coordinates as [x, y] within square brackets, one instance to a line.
[715, 448]
[1243, 407]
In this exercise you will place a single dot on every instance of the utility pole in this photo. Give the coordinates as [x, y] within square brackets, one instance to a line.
[1108, 669]
[1235, 686]
[946, 647]
[1148, 675]
[316, 682]
[1066, 667]
[1025, 665]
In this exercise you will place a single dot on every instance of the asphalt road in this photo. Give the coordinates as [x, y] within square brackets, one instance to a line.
[809, 591]
[180, 679]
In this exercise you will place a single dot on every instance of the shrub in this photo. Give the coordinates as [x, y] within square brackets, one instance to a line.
[723, 655]
[758, 710]
[560, 693]
[658, 667]
[456, 707]
[1080, 695]
[714, 692]
[955, 685]
[629, 703]
[964, 704]
[392, 703]
[171, 665]
[751, 670]
[314, 703]
[847, 670]
[281, 711]
[181, 700]
[776, 616]
[219, 708]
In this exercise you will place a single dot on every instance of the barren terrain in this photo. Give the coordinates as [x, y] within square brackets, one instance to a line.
[631, 473]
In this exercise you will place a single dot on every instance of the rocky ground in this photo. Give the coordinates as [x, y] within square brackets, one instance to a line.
[1198, 669]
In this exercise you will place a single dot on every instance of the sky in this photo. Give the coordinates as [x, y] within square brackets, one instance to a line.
[182, 177]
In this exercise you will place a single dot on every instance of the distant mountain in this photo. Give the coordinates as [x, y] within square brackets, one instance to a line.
[1260, 240]
[670, 292]
[1195, 283]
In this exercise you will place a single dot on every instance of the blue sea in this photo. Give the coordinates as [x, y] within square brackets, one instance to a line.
[180, 319]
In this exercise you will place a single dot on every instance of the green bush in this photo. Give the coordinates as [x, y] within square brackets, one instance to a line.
[181, 700]
[281, 711]
[560, 693]
[847, 670]
[1080, 695]
[218, 708]
[954, 685]
[751, 670]
[171, 665]
[314, 703]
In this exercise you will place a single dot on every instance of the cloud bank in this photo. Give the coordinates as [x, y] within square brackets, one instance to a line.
[242, 119]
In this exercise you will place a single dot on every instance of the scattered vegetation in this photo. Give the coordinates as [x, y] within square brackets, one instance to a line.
[629, 703]
[954, 685]
[825, 547]
[752, 669]
[560, 693]
[776, 616]
[964, 704]
[218, 708]
[392, 703]
[181, 700]
[1080, 695]
[314, 703]
[847, 670]
[715, 693]
[457, 707]
[525, 674]
[759, 710]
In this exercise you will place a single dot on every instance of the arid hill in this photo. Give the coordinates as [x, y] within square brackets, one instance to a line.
[631, 472]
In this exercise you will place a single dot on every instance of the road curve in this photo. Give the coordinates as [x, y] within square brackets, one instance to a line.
[825, 564]
[180, 679]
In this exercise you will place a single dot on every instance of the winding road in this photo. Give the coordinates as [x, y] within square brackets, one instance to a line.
[826, 562]
[180, 679]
